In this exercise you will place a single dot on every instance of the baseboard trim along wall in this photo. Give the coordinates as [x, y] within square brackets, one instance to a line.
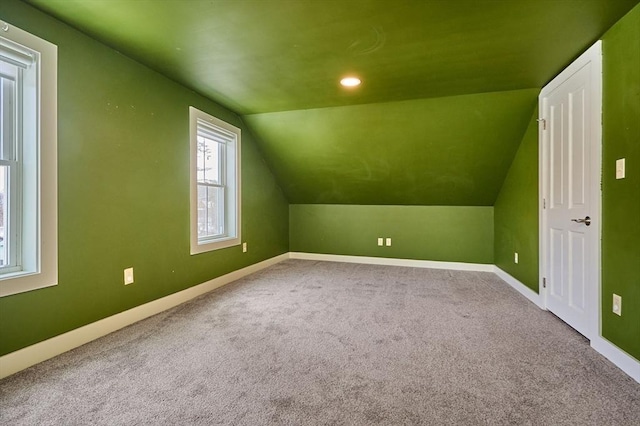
[34, 354]
[456, 266]
[519, 287]
[19, 360]
[620, 358]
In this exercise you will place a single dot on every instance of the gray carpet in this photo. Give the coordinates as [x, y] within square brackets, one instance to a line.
[315, 343]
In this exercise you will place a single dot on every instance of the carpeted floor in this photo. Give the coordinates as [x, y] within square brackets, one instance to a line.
[315, 343]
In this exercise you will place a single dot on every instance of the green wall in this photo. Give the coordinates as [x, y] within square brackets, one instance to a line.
[516, 213]
[123, 185]
[453, 150]
[621, 198]
[123, 146]
[516, 220]
[444, 233]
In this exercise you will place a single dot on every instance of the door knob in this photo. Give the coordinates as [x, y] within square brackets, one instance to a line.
[586, 220]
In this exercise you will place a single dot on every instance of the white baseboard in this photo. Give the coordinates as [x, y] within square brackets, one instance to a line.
[19, 360]
[31, 355]
[456, 266]
[620, 358]
[519, 287]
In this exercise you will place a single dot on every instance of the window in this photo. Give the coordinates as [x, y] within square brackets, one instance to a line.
[28, 162]
[215, 183]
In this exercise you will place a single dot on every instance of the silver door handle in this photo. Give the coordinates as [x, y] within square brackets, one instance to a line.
[586, 220]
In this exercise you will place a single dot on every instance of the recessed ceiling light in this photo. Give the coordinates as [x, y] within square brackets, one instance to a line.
[350, 81]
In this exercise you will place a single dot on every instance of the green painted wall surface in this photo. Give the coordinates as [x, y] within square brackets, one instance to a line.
[516, 213]
[123, 149]
[443, 233]
[443, 151]
[621, 198]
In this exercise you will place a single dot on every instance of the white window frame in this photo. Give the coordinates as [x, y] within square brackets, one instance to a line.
[37, 137]
[231, 170]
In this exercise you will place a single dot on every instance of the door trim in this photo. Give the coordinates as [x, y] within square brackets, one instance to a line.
[593, 58]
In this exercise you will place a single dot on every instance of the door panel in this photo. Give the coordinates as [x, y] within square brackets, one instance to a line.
[577, 149]
[576, 270]
[557, 279]
[556, 126]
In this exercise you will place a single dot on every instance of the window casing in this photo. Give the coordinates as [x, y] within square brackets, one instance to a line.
[215, 183]
[28, 162]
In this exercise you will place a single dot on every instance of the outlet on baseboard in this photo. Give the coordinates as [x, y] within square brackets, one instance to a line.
[128, 276]
[617, 304]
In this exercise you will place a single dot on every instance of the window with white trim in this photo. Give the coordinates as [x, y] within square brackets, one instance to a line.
[215, 183]
[28, 162]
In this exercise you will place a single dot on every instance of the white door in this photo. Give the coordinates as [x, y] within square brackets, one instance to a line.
[570, 186]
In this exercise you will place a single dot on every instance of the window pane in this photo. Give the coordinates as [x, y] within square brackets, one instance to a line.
[28, 164]
[7, 114]
[210, 211]
[209, 156]
[4, 216]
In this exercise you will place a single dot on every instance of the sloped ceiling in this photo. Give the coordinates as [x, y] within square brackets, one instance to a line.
[278, 63]
[442, 151]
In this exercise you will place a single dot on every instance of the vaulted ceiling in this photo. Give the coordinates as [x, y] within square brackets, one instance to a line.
[405, 136]
[437, 151]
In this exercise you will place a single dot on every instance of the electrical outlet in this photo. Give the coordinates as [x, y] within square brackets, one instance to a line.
[380, 242]
[128, 276]
[515, 257]
[388, 242]
[617, 304]
[620, 168]
[244, 247]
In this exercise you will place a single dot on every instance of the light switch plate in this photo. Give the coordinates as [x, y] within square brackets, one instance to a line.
[620, 168]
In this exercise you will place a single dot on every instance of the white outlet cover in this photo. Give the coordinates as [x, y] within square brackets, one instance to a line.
[380, 242]
[617, 304]
[244, 247]
[515, 257]
[388, 242]
[620, 168]
[128, 276]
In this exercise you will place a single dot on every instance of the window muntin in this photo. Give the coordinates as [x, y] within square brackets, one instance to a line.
[215, 183]
[28, 161]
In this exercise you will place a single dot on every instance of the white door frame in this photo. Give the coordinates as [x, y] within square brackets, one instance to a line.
[591, 58]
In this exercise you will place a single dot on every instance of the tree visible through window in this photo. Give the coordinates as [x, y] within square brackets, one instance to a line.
[211, 187]
[215, 187]
[28, 161]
